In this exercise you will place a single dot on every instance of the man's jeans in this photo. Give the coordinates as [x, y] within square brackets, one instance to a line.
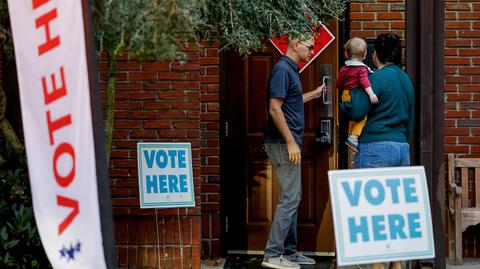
[382, 154]
[283, 233]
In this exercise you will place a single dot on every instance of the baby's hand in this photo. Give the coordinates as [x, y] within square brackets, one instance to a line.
[373, 98]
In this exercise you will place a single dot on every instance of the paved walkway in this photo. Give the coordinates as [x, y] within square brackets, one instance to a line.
[467, 264]
[253, 262]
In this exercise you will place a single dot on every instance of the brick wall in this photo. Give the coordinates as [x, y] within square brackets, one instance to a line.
[462, 93]
[210, 148]
[155, 102]
[369, 18]
[462, 78]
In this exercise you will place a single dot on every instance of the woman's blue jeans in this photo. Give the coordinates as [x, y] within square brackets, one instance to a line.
[382, 154]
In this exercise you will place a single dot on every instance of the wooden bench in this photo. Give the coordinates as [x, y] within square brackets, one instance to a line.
[460, 214]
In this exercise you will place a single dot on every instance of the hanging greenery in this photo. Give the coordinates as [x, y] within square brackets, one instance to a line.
[144, 30]
[155, 29]
[244, 25]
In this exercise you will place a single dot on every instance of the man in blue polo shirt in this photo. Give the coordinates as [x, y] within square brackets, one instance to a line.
[283, 139]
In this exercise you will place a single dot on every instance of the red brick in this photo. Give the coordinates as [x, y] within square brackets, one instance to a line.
[186, 85]
[457, 79]
[212, 52]
[451, 34]
[469, 34]
[469, 140]
[185, 105]
[147, 105]
[119, 133]
[157, 85]
[142, 75]
[458, 24]
[171, 76]
[356, 25]
[209, 61]
[397, 25]
[156, 66]
[457, 114]
[362, 15]
[457, 131]
[183, 67]
[213, 70]
[186, 124]
[450, 15]
[467, 15]
[172, 133]
[128, 85]
[457, 60]
[456, 149]
[169, 114]
[126, 124]
[210, 79]
[451, 52]
[355, 7]
[212, 88]
[470, 70]
[363, 33]
[141, 95]
[157, 124]
[458, 43]
[459, 97]
[210, 97]
[390, 16]
[143, 134]
[451, 70]
[450, 123]
[145, 114]
[133, 105]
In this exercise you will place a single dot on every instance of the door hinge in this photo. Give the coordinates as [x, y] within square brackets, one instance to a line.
[226, 224]
[226, 129]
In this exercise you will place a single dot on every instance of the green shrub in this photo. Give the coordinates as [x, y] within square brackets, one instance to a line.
[20, 245]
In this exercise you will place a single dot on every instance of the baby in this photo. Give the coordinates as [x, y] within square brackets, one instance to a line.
[353, 74]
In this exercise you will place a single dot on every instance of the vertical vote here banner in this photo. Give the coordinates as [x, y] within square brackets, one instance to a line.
[165, 176]
[381, 214]
[51, 58]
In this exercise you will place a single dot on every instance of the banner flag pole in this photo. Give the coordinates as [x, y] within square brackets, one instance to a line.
[103, 182]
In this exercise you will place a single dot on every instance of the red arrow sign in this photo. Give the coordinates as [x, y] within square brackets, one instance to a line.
[322, 40]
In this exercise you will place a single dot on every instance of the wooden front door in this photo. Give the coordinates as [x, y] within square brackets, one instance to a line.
[250, 191]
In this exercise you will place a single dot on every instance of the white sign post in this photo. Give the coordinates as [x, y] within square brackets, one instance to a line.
[381, 214]
[165, 175]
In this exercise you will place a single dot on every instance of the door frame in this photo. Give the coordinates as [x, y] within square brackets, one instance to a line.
[340, 162]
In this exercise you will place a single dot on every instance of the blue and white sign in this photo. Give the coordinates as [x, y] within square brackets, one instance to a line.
[381, 214]
[165, 175]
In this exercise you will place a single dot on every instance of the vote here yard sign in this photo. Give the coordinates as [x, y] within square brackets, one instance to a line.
[381, 214]
[165, 175]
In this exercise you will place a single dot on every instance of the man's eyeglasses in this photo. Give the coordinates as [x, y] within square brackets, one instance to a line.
[310, 47]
